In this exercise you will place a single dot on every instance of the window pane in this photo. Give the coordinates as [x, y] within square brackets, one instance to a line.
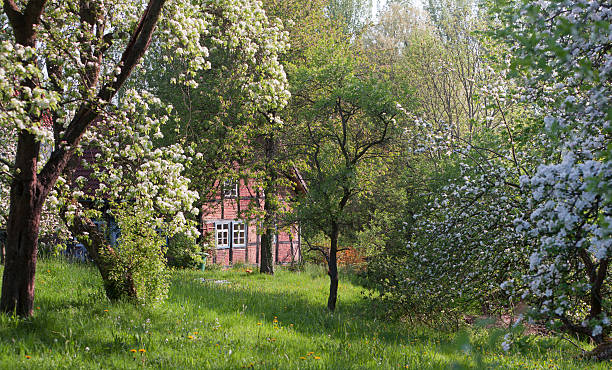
[238, 233]
[230, 188]
[222, 234]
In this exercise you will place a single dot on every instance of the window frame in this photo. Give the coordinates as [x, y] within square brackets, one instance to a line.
[242, 229]
[230, 189]
[219, 229]
[232, 233]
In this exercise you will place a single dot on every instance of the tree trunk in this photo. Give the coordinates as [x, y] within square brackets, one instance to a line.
[332, 267]
[26, 202]
[597, 282]
[266, 264]
[105, 258]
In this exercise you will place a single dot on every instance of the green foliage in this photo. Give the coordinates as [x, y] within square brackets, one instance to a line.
[140, 255]
[184, 252]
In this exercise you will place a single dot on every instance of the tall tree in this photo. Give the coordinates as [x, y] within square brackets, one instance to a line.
[347, 119]
[352, 15]
[63, 64]
[227, 117]
[562, 55]
[303, 23]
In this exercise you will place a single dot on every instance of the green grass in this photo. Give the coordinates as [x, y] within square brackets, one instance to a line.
[256, 321]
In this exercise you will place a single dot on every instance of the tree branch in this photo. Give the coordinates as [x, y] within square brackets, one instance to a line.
[135, 49]
[34, 10]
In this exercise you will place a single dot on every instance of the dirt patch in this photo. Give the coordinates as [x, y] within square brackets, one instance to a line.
[504, 322]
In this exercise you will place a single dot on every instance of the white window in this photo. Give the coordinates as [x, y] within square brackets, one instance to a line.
[222, 234]
[234, 229]
[238, 234]
[230, 189]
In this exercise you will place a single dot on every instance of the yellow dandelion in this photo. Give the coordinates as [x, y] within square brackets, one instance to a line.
[302, 358]
[190, 336]
[38, 307]
[195, 333]
[28, 357]
[142, 350]
[105, 310]
[259, 323]
[317, 358]
[310, 353]
[48, 270]
[133, 351]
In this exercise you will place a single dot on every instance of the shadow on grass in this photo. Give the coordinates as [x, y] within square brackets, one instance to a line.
[350, 321]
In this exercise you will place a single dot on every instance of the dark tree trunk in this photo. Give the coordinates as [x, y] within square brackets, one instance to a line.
[597, 282]
[266, 264]
[26, 201]
[332, 260]
[332, 267]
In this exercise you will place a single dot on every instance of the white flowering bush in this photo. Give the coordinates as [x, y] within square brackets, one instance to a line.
[459, 241]
[563, 61]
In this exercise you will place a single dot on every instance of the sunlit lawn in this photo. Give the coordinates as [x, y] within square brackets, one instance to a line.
[257, 321]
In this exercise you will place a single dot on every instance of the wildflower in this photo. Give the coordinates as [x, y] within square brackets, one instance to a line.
[133, 351]
[258, 323]
[28, 357]
[142, 350]
[105, 310]
[310, 353]
[195, 333]
[38, 307]
[190, 336]
[86, 349]
[317, 358]
[302, 358]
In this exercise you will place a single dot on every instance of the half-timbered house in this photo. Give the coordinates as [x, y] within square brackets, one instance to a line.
[235, 239]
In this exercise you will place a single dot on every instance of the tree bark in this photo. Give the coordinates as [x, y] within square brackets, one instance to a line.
[26, 200]
[266, 264]
[105, 258]
[332, 261]
[332, 267]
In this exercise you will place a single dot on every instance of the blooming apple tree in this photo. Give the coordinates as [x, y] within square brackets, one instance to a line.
[61, 66]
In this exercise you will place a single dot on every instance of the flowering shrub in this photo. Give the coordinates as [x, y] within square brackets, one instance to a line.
[562, 59]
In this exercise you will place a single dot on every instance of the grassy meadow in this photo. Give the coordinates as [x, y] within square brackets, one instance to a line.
[246, 321]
